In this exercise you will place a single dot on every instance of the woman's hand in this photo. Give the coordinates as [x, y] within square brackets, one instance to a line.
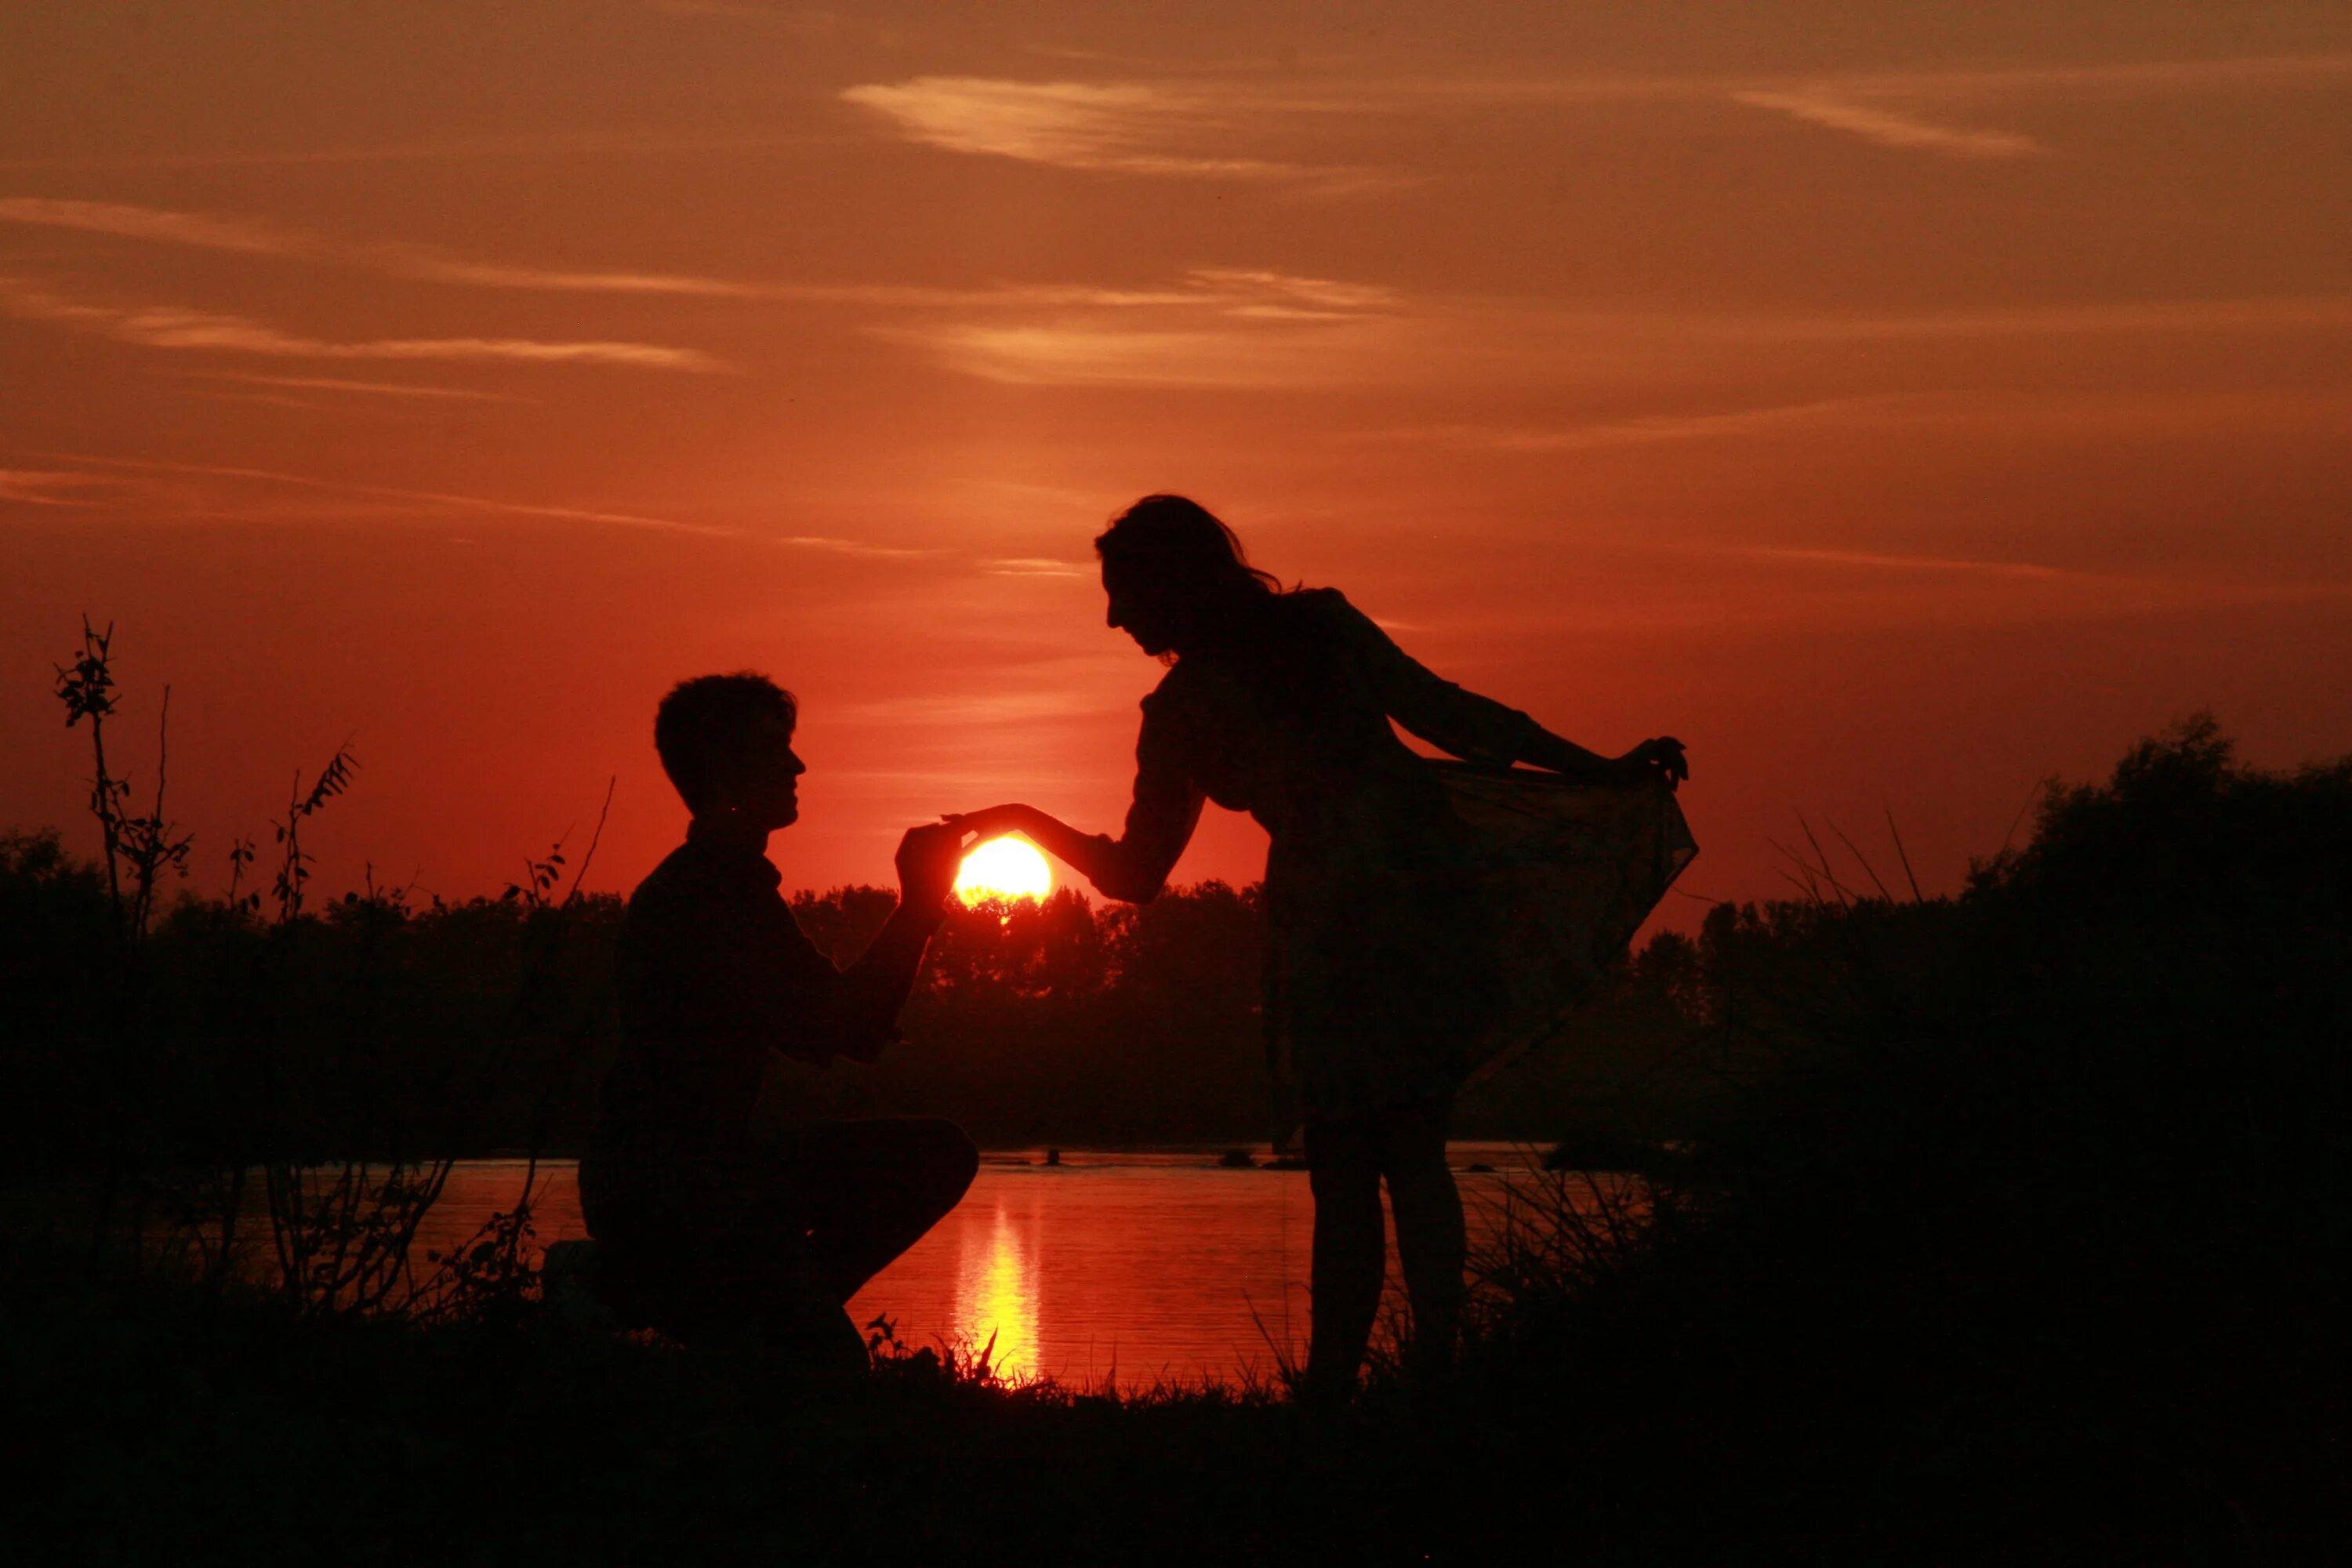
[1659, 758]
[994, 821]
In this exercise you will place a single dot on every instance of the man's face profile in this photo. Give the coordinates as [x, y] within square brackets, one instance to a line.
[762, 786]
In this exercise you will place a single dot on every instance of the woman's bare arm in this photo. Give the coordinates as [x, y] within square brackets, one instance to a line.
[1482, 730]
[1131, 868]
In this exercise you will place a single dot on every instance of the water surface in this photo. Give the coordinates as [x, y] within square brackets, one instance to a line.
[1125, 1265]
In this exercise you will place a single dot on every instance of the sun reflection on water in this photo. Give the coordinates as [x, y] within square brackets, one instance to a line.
[996, 1294]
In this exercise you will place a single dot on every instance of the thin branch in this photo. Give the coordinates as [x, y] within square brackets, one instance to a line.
[1845, 895]
[580, 872]
[1896, 834]
[2040, 788]
[1868, 870]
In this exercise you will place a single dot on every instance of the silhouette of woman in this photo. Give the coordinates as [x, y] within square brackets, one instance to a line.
[1381, 975]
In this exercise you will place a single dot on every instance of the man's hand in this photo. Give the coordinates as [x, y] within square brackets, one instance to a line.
[928, 857]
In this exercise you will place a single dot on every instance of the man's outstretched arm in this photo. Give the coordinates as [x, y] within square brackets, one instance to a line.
[874, 988]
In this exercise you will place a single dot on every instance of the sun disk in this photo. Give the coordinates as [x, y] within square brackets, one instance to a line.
[1003, 868]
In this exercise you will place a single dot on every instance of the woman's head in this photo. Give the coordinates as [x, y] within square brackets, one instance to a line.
[1174, 572]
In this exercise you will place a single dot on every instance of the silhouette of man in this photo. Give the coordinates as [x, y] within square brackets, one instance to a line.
[720, 1206]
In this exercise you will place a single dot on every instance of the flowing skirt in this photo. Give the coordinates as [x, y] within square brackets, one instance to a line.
[1567, 872]
[1395, 977]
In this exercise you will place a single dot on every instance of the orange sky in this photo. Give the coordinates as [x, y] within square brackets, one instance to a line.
[1900, 405]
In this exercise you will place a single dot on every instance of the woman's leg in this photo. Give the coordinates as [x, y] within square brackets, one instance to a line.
[1432, 1242]
[1343, 1171]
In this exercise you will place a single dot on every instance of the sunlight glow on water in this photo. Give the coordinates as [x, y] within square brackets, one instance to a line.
[1123, 1266]
[996, 1297]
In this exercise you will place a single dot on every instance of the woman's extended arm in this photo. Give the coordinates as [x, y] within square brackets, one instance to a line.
[1131, 868]
[1482, 730]
[1093, 856]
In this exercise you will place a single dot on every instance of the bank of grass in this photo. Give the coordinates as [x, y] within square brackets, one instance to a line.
[2018, 1230]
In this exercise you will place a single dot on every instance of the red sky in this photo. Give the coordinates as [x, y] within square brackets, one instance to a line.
[1900, 405]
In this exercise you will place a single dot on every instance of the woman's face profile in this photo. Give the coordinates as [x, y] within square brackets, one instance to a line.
[1137, 612]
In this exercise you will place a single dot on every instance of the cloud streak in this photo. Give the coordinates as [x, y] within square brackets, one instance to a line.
[1224, 327]
[587, 144]
[1192, 130]
[832, 545]
[1877, 561]
[40, 487]
[2071, 414]
[1641, 429]
[1035, 566]
[252, 236]
[438, 500]
[364, 388]
[1127, 128]
[417, 263]
[178, 326]
[1888, 128]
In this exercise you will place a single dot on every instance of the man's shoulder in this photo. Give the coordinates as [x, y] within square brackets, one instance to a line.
[698, 876]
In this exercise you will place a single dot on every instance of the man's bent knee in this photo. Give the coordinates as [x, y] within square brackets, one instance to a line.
[958, 1159]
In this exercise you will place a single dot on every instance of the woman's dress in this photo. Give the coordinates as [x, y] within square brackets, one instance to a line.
[1421, 916]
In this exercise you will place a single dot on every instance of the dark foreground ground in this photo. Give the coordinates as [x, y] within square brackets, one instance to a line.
[2020, 1231]
[158, 1427]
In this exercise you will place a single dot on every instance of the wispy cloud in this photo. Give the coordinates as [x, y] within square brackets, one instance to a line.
[649, 140]
[1878, 561]
[400, 389]
[419, 263]
[433, 501]
[2315, 312]
[179, 327]
[146, 486]
[2113, 77]
[1128, 128]
[1888, 127]
[1197, 128]
[152, 223]
[1885, 107]
[857, 547]
[1224, 327]
[1081, 354]
[2071, 414]
[1910, 589]
[254, 236]
[1035, 566]
[1638, 429]
[48, 486]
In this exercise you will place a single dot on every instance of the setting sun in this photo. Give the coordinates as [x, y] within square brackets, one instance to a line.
[1003, 868]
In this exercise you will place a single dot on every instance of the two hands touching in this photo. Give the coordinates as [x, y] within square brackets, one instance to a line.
[930, 854]
[1658, 759]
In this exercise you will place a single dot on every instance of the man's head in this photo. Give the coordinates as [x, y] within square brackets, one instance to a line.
[726, 742]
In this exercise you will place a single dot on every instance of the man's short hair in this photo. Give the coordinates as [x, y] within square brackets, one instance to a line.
[700, 728]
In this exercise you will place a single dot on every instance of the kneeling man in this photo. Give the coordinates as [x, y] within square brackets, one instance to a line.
[714, 1218]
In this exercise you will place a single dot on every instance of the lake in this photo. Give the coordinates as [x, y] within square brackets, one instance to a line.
[1108, 1267]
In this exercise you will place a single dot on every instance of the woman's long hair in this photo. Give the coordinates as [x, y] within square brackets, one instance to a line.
[1187, 554]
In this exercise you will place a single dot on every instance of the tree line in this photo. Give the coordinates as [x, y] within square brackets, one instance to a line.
[373, 1025]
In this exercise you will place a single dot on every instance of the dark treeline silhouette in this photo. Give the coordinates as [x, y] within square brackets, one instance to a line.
[378, 1023]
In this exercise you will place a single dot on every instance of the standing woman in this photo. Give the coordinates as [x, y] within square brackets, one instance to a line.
[1381, 974]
